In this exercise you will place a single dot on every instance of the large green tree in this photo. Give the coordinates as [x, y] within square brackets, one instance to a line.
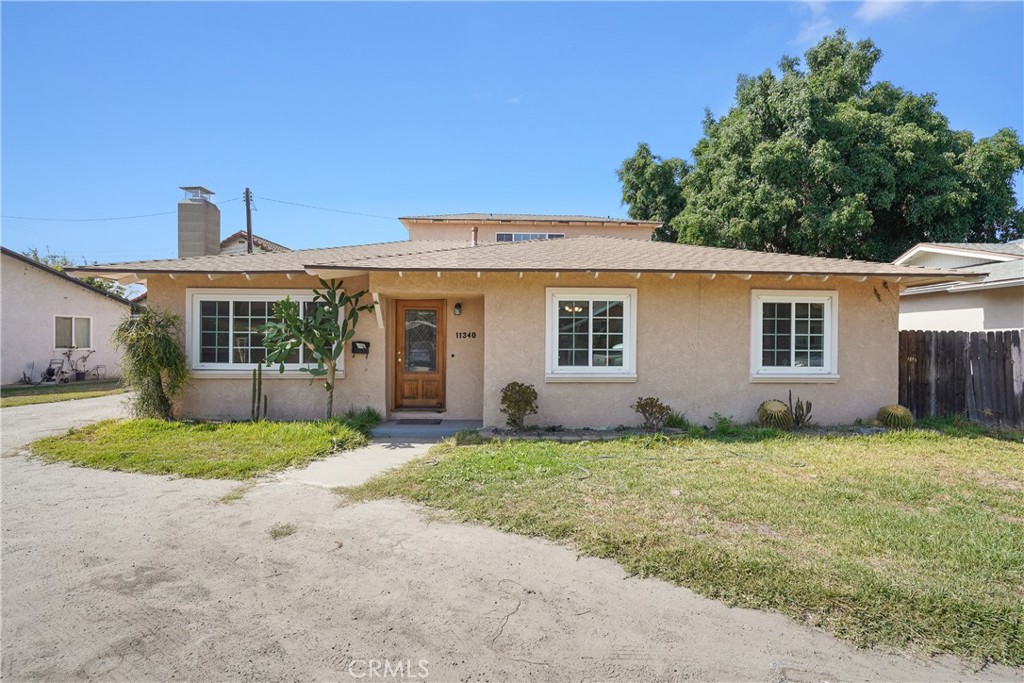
[652, 188]
[821, 161]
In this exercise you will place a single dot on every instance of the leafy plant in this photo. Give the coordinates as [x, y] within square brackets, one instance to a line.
[329, 322]
[801, 412]
[895, 417]
[154, 364]
[517, 401]
[724, 425]
[654, 412]
[776, 414]
[677, 420]
[362, 420]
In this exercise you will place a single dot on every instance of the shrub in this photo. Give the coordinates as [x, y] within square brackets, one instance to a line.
[724, 425]
[677, 421]
[362, 420]
[154, 365]
[654, 412]
[895, 417]
[775, 414]
[517, 401]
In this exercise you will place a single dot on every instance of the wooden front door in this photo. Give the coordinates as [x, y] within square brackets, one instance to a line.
[419, 354]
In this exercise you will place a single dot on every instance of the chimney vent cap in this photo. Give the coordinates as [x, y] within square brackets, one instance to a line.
[197, 192]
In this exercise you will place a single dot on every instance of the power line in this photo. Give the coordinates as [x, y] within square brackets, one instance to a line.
[323, 208]
[114, 218]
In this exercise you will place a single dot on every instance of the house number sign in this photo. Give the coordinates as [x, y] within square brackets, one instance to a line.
[465, 335]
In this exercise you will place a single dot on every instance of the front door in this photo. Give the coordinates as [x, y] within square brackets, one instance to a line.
[419, 357]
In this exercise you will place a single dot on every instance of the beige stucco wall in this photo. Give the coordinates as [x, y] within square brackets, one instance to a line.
[211, 395]
[970, 311]
[488, 231]
[30, 299]
[693, 349]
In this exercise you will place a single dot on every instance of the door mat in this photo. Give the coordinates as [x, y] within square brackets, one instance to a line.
[418, 422]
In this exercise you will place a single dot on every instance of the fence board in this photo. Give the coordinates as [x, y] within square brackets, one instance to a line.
[976, 374]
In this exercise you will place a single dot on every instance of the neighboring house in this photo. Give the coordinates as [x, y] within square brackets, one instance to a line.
[236, 244]
[593, 320]
[44, 312]
[994, 302]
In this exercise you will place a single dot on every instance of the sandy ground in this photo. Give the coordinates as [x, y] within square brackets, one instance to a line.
[120, 577]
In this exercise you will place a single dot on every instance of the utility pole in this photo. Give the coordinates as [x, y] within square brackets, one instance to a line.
[248, 221]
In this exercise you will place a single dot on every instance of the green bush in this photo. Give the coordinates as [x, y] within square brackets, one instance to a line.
[517, 401]
[677, 421]
[654, 412]
[895, 417]
[154, 365]
[776, 414]
[362, 420]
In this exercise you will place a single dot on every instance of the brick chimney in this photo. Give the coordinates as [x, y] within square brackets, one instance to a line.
[198, 223]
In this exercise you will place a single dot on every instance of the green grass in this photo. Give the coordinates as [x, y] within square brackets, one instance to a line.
[18, 395]
[239, 450]
[279, 530]
[908, 539]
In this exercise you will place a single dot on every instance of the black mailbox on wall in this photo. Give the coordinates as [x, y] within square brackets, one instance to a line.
[361, 348]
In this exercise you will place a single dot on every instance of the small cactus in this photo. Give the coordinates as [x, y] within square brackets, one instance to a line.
[895, 417]
[775, 414]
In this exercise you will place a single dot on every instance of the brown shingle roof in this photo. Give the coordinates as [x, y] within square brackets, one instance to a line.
[261, 242]
[588, 253]
[524, 218]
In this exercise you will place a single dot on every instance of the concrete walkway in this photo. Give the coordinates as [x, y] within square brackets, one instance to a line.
[354, 467]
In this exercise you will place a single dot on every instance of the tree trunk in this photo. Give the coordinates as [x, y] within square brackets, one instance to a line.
[331, 371]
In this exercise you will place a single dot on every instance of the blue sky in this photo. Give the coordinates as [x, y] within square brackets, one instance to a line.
[398, 109]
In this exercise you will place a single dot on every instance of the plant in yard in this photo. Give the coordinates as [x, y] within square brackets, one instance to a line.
[774, 413]
[154, 365]
[895, 417]
[328, 324]
[517, 401]
[801, 412]
[256, 411]
[724, 425]
[654, 412]
[281, 530]
[677, 420]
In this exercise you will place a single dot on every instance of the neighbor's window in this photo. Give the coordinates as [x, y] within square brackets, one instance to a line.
[793, 335]
[523, 236]
[70, 331]
[224, 328]
[591, 334]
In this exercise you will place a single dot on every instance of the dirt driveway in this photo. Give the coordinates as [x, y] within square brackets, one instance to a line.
[24, 424]
[120, 577]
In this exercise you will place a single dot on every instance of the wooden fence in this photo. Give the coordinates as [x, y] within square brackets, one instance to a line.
[976, 374]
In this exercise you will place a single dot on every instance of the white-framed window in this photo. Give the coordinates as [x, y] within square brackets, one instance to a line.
[523, 236]
[72, 331]
[222, 329]
[591, 335]
[793, 336]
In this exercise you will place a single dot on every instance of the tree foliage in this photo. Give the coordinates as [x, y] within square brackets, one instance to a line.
[652, 188]
[322, 332]
[821, 161]
[153, 363]
[61, 262]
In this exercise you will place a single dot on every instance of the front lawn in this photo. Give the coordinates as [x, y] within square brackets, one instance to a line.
[909, 538]
[208, 450]
[25, 395]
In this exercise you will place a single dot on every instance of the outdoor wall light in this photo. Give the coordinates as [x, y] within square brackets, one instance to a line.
[458, 309]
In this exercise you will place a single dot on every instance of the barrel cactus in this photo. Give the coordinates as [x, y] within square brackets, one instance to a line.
[895, 417]
[775, 414]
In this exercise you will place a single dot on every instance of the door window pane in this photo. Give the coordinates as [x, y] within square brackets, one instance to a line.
[420, 340]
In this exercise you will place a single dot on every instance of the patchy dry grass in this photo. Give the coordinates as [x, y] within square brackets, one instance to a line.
[911, 538]
[279, 531]
[239, 450]
[236, 493]
[13, 396]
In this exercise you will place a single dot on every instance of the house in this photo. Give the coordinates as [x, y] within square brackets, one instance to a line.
[44, 312]
[993, 302]
[587, 309]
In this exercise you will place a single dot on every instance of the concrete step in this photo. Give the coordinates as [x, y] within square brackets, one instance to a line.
[390, 429]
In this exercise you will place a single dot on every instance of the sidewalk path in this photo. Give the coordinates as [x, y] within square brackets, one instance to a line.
[354, 467]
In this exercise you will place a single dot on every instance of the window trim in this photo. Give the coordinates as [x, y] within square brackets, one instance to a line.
[547, 236]
[195, 295]
[72, 316]
[830, 372]
[555, 373]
